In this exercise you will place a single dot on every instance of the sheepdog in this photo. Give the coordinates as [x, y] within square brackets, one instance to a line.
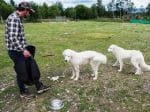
[81, 58]
[136, 57]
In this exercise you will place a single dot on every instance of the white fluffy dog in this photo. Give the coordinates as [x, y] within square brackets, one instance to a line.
[80, 58]
[136, 57]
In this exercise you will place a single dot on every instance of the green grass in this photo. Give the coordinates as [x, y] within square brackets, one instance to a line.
[112, 92]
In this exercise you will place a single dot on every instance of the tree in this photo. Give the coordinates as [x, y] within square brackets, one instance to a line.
[111, 7]
[12, 3]
[43, 11]
[100, 8]
[54, 11]
[94, 11]
[70, 13]
[83, 12]
[124, 7]
[34, 16]
[5, 9]
[118, 7]
[130, 6]
[148, 9]
[60, 6]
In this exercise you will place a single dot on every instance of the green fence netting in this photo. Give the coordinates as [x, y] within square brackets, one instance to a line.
[140, 21]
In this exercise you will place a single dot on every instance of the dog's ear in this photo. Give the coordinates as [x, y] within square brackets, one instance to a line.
[64, 52]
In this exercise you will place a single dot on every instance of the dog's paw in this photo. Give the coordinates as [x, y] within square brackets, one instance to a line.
[71, 77]
[75, 79]
[95, 78]
[138, 73]
[119, 70]
[92, 75]
[114, 65]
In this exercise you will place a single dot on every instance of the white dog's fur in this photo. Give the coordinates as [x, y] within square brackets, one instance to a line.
[136, 57]
[81, 58]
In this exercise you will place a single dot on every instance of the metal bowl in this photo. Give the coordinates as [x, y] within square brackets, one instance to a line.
[56, 104]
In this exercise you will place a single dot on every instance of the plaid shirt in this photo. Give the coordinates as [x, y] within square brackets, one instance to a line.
[14, 35]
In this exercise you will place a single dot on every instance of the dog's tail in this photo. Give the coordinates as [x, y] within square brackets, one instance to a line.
[144, 66]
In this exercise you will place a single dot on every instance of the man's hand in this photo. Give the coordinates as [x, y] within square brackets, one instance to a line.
[26, 53]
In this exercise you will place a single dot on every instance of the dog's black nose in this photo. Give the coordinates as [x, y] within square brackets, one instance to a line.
[65, 60]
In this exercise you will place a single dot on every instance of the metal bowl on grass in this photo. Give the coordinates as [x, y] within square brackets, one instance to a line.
[56, 104]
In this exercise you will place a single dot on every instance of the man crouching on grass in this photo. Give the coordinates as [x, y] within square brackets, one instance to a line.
[24, 64]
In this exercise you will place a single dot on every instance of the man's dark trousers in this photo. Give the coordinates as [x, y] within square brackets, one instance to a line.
[24, 70]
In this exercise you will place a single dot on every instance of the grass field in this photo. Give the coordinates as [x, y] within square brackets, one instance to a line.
[112, 92]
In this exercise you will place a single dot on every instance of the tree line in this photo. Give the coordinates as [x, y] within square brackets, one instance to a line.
[115, 9]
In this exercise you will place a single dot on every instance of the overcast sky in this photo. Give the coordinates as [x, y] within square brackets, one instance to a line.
[72, 3]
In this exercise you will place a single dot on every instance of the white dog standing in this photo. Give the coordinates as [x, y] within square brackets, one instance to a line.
[136, 57]
[80, 58]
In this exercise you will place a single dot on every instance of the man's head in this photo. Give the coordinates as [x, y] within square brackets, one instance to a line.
[24, 9]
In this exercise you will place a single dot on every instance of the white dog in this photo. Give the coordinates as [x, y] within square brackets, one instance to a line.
[136, 57]
[80, 58]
